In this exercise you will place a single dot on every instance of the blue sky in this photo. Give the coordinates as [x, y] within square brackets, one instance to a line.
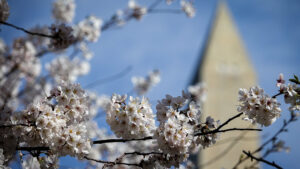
[172, 43]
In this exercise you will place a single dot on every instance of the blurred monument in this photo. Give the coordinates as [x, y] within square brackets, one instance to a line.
[225, 67]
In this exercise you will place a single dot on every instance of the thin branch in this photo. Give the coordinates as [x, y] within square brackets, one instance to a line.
[143, 154]
[226, 130]
[273, 164]
[217, 130]
[173, 11]
[224, 152]
[282, 129]
[121, 140]
[26, 31]
[15, 125]
[154, 4]
[278, 94]
[229, 120]
[112, 22]
[108, 79]
[33, 148]
[112, 163]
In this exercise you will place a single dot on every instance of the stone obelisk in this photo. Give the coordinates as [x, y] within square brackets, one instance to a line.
[225, 67]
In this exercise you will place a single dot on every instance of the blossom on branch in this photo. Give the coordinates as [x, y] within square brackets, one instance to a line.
[63, 10]
[291, 93]
[88, 29]
[132, 120]
[188, 8]
[258, 106]
[143, 84]
[4, 10]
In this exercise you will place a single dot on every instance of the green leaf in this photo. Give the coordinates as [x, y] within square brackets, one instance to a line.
[296, 77]
[293, 80]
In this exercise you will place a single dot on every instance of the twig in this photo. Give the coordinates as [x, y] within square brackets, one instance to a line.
[173, 11]
[33, 148]
[121, 140]
[262, 160]
[229, 120]
[282, 129]
[217, 130]
[26, 31]
[15, 125]
[143, 154]
[278, 94]
[223, 131]
[112, 163]
[108, 79]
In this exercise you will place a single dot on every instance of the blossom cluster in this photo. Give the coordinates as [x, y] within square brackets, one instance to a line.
[64, 10]
[175, 134]
[137, 11]
[88, 29]
[4, 10]
[198, 92]
[291, 93]
[258, 106]
[60, 121]
[62, 36]
[207, 140]
[23, 54]
[188, 8]
[63, 68]
[58, 124]
[132, 120]
[143, 84]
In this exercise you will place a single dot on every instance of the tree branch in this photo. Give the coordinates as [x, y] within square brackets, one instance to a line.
[223, 131]
[26, 31]
[143, 154]
[110, 78]
[112, 163]
[121, 140]
[15, 125]
[229, 120]
[282, 129]
[261, 160]
[33, 148]
[173, 11]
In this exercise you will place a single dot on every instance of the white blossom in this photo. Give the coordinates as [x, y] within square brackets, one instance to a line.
[258, 107]
[132, 120]
[89, 29]
[291, 93]
[188, 8]
[143, 84]
[63, 68]
[4, 10]
[198, 91]
[137, 11]
[64, 10]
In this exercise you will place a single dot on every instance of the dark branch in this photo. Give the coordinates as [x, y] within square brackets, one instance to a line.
[143, 154]
[26, 31]
[33, 148]
[226, 130]
[15, 125]
[108, 79]
[173, 11]
[121, 140]
[278, 94]
[112, 163]
[282, 129]
[261, 160]
[229, 120]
